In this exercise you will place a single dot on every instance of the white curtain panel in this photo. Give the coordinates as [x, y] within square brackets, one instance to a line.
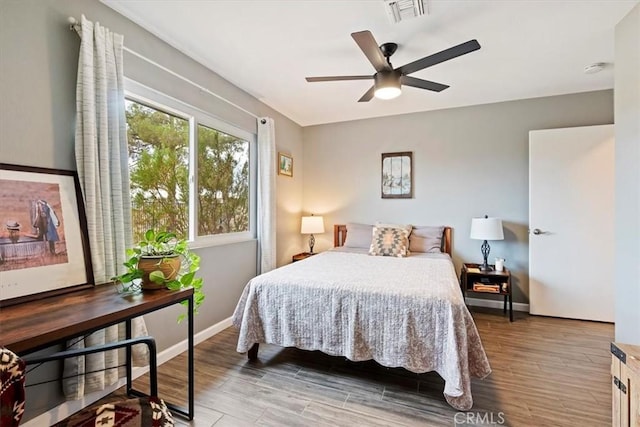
[266, 194]
[102, 162]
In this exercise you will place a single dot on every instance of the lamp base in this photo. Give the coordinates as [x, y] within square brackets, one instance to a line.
[485, 267]
[485, 249]
[312, 243]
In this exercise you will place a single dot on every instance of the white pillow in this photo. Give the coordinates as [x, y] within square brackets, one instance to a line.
[426, 239]
[358, 235]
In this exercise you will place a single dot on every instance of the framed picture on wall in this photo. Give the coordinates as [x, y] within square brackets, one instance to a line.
[43, 234]
[397, 175]
[285, 165]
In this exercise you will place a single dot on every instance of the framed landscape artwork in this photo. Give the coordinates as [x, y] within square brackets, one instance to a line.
[44, 248]
[397, 175]
[285, 164]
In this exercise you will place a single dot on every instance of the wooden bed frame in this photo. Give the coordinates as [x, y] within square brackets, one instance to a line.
[340, 235]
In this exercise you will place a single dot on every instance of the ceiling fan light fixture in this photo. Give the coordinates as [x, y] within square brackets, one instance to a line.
[387, 81]
[387, 85]
[387, 92]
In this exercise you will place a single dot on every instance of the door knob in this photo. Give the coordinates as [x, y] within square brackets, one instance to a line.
[537, 231]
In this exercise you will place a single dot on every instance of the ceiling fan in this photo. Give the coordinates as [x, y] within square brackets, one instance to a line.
[388, 80]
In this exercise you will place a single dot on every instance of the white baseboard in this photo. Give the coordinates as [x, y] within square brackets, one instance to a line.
[69, 407]
[477, 302]
[181, 347]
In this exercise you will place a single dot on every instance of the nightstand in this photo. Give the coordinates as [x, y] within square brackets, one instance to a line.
[473, 280]
[301, 256]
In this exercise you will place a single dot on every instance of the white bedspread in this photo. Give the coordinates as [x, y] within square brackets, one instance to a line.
[400, 312]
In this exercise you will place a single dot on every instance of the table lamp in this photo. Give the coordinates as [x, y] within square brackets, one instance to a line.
[486, 229]
[310, 225]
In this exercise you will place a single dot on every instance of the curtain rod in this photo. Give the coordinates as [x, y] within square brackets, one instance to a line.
[74, 25]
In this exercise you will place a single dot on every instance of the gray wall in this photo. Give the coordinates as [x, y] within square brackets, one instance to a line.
[627, 113]
[468, 162]
[453, 152]
[38, 66]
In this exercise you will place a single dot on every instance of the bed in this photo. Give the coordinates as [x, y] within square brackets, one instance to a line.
[401, 312]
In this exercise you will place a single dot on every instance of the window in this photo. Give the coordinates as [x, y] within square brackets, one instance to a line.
[158, 170]
[223, 183]
[189, 172]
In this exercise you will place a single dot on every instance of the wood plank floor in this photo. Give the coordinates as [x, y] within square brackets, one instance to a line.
[546, 372]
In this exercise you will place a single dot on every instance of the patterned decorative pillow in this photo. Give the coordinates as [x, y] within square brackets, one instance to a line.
[389, 241]
[141, 412]
[426, 239]
[407, 227]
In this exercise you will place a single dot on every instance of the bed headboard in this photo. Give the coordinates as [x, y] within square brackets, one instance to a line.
[340, 235]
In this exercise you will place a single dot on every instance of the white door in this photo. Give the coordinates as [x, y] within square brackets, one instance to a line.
[571, 221]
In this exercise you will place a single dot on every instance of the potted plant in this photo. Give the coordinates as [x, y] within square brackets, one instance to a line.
[161, 260]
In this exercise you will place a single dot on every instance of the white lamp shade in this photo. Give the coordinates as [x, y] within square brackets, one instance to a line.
[486, 229]
[312, 225]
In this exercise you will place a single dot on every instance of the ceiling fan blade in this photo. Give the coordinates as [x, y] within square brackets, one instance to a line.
[369, 47]
[368, 95]
[337, 78]
[422, 84]
[439, 57]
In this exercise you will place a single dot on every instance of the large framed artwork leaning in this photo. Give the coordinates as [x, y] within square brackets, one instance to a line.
[44, 247]
[397, 175]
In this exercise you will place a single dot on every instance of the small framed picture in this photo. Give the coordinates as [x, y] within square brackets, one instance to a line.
[285, 165]
[397, 175]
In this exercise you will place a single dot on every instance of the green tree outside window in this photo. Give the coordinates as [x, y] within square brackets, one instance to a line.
[159, 173]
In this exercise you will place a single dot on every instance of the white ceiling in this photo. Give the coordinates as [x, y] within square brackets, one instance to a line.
[529, 49]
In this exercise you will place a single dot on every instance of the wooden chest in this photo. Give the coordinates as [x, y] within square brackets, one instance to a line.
[625, 372]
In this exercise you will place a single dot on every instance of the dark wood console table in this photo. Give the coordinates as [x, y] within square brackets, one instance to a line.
[35, 325]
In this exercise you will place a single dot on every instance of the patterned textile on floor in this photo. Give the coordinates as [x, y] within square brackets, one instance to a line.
[140, 412]
[11, 388]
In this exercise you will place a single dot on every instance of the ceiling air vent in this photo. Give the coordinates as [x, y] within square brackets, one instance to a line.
[401, 10]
